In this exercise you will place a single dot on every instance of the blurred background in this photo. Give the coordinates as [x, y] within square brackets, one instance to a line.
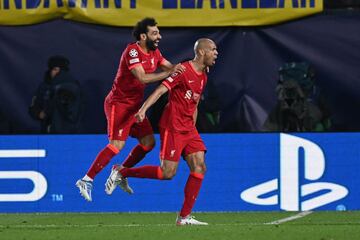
[283, 66]
[252, 88]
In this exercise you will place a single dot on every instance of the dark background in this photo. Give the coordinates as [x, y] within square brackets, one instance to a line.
[244, 78]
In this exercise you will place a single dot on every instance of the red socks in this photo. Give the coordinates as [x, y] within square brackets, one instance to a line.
[153, 172]
[136, 155]
[191, 191]
[105, 155]
[101, 160]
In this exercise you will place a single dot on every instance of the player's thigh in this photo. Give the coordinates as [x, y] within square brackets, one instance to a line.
[194, 143]
[119, 121]
[143, 132]
[194, 152]
[171, 145]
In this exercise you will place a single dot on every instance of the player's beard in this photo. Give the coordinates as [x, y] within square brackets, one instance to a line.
[150, 44]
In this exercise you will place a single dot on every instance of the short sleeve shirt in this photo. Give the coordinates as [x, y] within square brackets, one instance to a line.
[126, 88]
[184, 94]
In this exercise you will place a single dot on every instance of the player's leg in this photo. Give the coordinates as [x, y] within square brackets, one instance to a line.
[146, 144]
[195, 157]
[165, 171]
[197, 167]
[171, 147]
[171, 151]
[144, 133]
[103, 158]
[118, 131]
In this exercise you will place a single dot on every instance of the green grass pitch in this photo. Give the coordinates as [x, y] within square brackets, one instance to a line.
[161, 226]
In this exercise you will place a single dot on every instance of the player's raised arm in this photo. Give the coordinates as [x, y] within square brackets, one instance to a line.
[159, 91]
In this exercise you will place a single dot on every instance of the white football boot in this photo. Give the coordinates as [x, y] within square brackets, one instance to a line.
[115, 179]
[85, 188]
[188, 220]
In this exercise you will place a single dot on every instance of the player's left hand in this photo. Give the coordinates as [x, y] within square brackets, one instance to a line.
[140, 116]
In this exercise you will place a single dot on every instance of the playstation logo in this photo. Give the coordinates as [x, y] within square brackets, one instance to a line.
[38, 180]
[289, 192]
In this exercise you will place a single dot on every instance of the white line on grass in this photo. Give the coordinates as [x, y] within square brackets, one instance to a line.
[113, 225]
[288, 219]
[42, 226]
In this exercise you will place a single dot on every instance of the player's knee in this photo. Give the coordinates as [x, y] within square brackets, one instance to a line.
[148, 142]
[200, 168]
[149, 146]
[203, 169]
[168, 173]
[198, 163]
[117, 144]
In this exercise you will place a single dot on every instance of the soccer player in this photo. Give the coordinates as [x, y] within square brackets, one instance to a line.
[178, 133]
[137, 66]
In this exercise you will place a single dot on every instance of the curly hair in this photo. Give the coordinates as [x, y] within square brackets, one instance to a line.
[142, 27]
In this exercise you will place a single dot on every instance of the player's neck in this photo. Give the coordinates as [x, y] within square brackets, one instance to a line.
[143, 47]
[197, 65]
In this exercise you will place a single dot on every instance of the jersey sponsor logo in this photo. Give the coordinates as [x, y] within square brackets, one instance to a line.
[133, 53]
[134, 60]
[290, 193]
[38, 180]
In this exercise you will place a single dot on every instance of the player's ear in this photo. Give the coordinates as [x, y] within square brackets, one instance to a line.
[143, 36]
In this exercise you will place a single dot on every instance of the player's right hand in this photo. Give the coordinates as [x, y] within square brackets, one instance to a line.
[178, 68]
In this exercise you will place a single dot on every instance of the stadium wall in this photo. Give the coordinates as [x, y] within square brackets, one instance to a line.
[244, 77]
[246, 172]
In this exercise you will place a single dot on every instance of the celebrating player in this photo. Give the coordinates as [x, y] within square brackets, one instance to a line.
[178, 133]
[137, 66]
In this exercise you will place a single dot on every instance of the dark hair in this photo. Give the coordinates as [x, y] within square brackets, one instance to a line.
[141, 27]
[58, 61]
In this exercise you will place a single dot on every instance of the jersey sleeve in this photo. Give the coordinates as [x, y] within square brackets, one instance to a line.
[173, 80]
[132, 57]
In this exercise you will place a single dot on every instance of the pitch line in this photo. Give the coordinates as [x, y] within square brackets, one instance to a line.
[114, 225]
[297, 216]
[291, 218]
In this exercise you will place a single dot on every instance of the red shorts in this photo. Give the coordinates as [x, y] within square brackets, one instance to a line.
[176, 144]
[121, 122]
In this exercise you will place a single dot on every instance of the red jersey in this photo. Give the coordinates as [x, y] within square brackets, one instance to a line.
[184, 93]
[127, 88]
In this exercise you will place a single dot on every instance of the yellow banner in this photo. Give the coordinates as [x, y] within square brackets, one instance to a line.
[172, 13]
